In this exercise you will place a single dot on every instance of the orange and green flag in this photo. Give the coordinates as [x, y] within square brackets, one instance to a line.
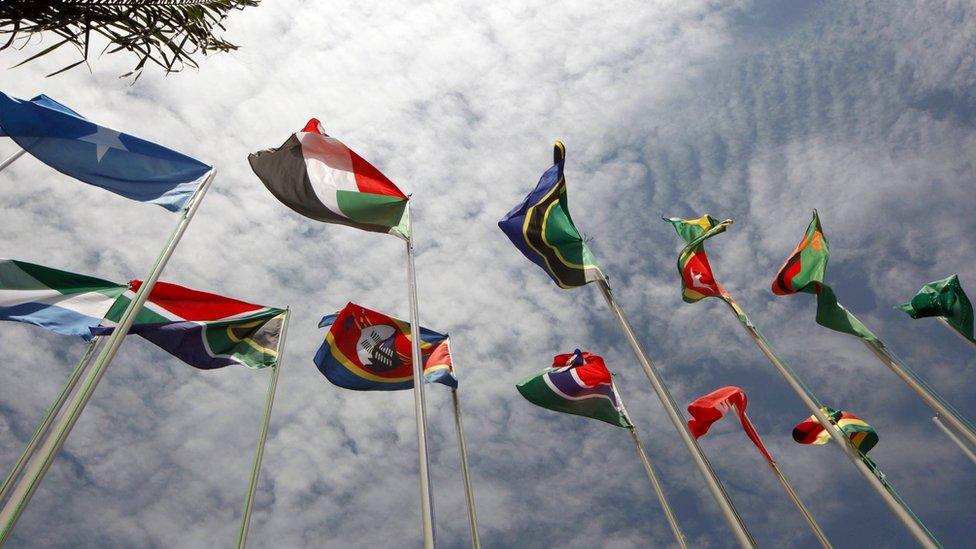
[697, 281]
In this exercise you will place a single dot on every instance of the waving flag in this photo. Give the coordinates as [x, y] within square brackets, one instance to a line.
[542, 229]
[810, 431]
[804, 272]
[100, 156]
[365, 350]
[65, 303]
[577, 383]
[697, 281]
[943, 298]
[710, 408]
[320, 178]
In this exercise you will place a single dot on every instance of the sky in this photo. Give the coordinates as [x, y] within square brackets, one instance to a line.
[755, 110]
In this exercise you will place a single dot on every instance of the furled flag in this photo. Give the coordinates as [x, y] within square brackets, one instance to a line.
[946, 299]
[542, 229]
[100, 156]
[710, 408]
[65, 303]
[320, 178]
[205, 330]
[577, 383]
[810, 431]
[804, 272]
[697, 281]
[365, 350]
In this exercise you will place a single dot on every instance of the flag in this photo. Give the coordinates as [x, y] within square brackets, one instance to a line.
[710, 408]
[697, 281]
[320, 178]
[542, 229]
[207, 331]
[121, 163]
[946, 299]
[65, 303]
[810, 431]
[804, 272]
[577, 383]
[365, 350]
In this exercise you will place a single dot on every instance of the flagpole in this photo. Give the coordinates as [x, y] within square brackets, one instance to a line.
[657, 382]
[907, 518]
[45, 424]
[953, 330]
[25, 488]
[811, 522]
[948, 432]
[419, 401]
[465, 470]
[11, 159]
[262, 435]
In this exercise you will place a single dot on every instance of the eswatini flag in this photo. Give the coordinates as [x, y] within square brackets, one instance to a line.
[862, 435]
[365, 350]
[205, 330]
[321, 178]
[712, 407]
[697, 281]
[577, 383]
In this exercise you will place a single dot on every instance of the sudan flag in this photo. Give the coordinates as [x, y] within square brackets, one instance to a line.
[804, 272]
[862, 435]
[365, 350]
[542, 229]
[697, 281]
[320, 178]
[943, 298]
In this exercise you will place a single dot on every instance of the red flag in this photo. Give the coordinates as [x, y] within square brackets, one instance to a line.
[710, 408]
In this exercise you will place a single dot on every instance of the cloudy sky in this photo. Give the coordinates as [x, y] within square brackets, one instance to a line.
[757, 110]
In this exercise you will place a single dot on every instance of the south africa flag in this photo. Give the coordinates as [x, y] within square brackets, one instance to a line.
[697, 281]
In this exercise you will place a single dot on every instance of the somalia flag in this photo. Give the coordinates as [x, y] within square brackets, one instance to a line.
[63, 302]
[121, 163]
[578, 383]
[369, 351]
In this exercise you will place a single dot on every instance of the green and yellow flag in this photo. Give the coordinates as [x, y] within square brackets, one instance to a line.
[943, 298]
[697, 281]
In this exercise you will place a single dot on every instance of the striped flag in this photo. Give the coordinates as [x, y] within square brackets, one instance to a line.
[810, 431]
[697, 280]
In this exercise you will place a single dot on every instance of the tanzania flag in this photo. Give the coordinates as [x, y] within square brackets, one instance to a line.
[65, 303]
[710, 408]
[542, 229]
[578, 383]
[697, 281]
[804, 272]
[370, 351]
[205, 330]
[320, 178]
[946, 299]
[810, 431]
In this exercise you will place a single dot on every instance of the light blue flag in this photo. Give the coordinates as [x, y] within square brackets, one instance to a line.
[100, 156]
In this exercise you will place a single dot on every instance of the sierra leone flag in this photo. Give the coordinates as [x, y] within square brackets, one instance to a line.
[320, 178]
[205, 330]
[577, 383]
[697, 281]
[63, 302]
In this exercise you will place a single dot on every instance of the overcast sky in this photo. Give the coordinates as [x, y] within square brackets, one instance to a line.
[757, 110]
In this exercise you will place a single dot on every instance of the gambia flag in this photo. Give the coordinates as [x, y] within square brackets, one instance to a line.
[205, 330]
[320, 178]
[62, 302]
[943, 298]
[710, 408]
[577, 383]
[365, 350]
[810, 431]
[804, 271]
[697, 281]
[542, 229]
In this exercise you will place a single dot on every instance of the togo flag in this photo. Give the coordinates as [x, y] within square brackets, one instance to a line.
[542, 229]
[320, 178]
[205, 330]
[100, 156]
[365, 350]
[944, 298]
[65, 303]
[697, 281]
[577, 383]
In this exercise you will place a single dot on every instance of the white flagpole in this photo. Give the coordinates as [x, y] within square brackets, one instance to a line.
[953, 330]
[465, 470]
[420, 403]
[11, 159]
[262, 435]
[701, 462]
[948, 432]
[37, 468]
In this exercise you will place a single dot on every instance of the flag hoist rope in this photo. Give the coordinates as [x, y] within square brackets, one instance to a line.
[465, 470]
[262, 434]
[711, 480]
[905, 515]
[37, 467]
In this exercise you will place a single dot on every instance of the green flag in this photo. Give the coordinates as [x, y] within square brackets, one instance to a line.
[946, 299]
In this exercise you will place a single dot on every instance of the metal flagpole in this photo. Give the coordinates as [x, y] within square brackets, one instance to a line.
[906, 517]
[948, 432]
[419, 401]
[947, 325]
[657, 382]
[52, 412]
[38, 467]
[10, 159]
[262, 435]
[649, 469]
[465, 471]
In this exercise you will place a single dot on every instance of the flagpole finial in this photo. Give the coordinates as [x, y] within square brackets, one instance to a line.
[558, 152]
